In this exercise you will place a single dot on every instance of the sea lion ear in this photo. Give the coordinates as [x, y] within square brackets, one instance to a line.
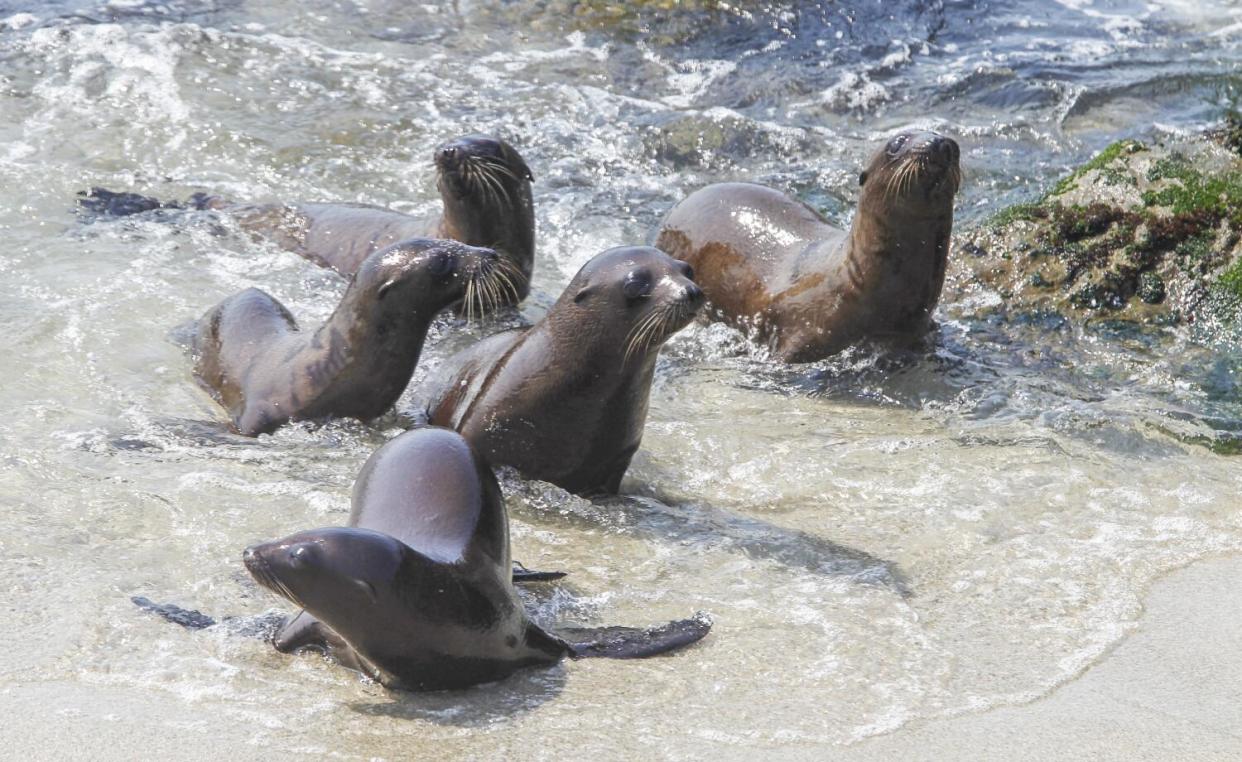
[367, 589]
[583, 293]
[862, 178]
[518, 164]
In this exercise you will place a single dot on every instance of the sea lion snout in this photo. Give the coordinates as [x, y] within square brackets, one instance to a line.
[451, 155]
[943, 150]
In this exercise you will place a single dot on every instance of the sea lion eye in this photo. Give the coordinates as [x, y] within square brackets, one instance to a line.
[862, 178]
[637, 284]
[895, 145]
[687, 270]
[441, 263]
[299, 555]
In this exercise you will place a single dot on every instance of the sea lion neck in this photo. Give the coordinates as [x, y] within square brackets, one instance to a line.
[888, 232]
[370, 351]
[569, 328]
[504, 222]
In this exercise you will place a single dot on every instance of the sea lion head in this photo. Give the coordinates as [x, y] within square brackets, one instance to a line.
[434, 274]
[482, 169]
[915, 167]
[347, 577]
[639, 287]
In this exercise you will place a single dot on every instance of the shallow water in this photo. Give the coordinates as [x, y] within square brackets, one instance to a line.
[879, 539]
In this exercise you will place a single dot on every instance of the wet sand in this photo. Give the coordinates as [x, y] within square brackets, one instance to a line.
[1171, 690]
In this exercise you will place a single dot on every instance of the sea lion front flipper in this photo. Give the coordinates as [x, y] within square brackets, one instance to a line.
[634, 642]
[302, 631]
[522, 575]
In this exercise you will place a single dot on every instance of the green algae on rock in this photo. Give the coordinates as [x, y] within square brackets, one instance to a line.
[1143, 232]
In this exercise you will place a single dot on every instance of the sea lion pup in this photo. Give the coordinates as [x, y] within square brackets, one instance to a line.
[416, 592]
[566, 399]
[484, 184]
[252, 357]
[771, 263]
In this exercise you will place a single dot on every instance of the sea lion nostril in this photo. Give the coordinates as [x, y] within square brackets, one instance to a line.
[694, 293]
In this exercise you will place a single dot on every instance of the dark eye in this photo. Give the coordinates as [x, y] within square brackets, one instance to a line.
[895, 145]
[687, 270]
[441, 263]
[299, 555]
[637, 284]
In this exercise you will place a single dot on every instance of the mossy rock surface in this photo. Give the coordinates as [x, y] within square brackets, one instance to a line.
[1144, 232]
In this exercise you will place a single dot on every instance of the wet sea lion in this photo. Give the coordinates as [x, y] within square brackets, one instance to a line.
[416, 592]
[484, 184]
[771, 264]
[252, 357]
[566, 399]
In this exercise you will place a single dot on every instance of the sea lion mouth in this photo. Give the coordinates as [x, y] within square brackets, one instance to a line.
[663, 321]
[926, 169]
[472, 174]
[262, 572]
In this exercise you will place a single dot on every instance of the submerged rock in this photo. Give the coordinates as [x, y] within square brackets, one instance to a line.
[1144, 232]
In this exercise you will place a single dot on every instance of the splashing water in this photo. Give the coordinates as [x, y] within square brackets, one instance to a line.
[880, 539]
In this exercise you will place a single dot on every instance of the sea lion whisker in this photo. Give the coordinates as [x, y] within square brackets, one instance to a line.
[503, 277]
[635, 334]
[499, 166]
[656, 329]
[495, 182]
[479, 173]
[493, 294]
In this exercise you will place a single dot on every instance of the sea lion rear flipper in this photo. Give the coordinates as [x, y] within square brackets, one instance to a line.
[189, 619]
[634, 642]
[101, 202]
[522, 575]
[261, 626]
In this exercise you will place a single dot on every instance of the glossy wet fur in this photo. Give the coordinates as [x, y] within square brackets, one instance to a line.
[774, 267]
[399, 617]
[566, 400]
[416, 592]
[252, 357]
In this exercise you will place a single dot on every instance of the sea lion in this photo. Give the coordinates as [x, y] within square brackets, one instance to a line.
[416, 592]
[566, 399]
[252, 357]
[771, 264]
[484, 184]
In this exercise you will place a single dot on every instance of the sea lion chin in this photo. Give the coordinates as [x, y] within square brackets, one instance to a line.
[773, 266]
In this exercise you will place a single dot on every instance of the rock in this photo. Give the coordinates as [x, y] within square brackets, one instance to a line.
[1144, 232]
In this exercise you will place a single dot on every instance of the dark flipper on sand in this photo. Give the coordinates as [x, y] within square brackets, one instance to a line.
[523, 575]
[262, 626]
[634, 642]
